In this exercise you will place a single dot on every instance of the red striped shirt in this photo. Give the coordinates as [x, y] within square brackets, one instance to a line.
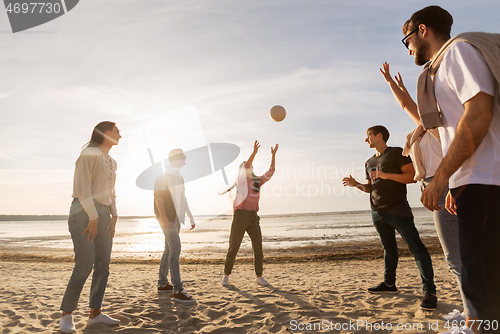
[251, 202]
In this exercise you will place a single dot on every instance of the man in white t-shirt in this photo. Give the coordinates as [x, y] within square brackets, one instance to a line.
[171, 208]
[466, 92]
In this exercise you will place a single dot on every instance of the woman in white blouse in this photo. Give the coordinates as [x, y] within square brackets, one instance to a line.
[92, 221]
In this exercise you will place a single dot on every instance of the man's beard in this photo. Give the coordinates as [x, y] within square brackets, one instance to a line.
[421, 50]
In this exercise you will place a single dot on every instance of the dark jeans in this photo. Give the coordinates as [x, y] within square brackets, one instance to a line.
[400, 219]
[478, 210]
[245, 221]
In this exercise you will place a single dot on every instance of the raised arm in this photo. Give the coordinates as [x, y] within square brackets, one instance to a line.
[400, 93]
[267, 176]
[256, 147]
[401, 85]
[273, 154]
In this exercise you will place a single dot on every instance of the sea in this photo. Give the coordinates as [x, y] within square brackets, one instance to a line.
[142, 238]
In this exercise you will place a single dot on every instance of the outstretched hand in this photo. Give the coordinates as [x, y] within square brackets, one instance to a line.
[256, 146]
[385, 72]
[273, 152]
[399, 81]
[349, 181]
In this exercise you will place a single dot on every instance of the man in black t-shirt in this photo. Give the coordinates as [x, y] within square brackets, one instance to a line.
[387, 194]
[387, 173]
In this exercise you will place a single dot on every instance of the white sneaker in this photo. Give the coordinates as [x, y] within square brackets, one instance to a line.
[103, 319]
[225, 280]
[66, 324]
[460, 330]
[262, 281]
[456, 315]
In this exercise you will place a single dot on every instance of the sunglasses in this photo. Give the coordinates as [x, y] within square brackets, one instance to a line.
[405, 39]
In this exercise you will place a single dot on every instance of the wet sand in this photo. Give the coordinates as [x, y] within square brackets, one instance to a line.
[341, 251]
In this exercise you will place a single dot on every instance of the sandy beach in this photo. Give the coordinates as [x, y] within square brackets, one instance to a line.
[307, 294]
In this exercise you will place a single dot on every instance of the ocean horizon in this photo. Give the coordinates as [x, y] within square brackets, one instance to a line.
[141, 237]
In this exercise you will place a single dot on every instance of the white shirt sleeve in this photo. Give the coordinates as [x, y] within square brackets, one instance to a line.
[112, 207]
[83, 182]
[467, 72]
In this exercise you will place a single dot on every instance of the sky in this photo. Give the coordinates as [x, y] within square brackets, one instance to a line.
[187, 73]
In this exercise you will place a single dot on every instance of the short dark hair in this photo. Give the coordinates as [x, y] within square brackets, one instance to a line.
[376, 129]
[439, 20]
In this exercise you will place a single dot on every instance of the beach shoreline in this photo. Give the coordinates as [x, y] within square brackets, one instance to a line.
[335, 252]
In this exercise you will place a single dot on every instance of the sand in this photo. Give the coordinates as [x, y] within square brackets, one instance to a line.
[307, 296]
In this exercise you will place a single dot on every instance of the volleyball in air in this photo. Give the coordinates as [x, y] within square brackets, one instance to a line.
[278, 113]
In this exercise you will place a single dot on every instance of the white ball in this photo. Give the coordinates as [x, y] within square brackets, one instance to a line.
[278, 113]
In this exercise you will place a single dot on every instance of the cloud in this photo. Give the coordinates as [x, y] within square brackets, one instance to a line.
[5, 95]
[4, 156]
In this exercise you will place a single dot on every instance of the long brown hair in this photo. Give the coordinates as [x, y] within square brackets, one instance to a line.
[97, 137]
[255, 185]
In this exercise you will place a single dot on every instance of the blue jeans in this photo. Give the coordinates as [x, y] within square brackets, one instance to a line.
[400, 219]
[88, 254]
[478, 210]
[447, 231]
[170, 257]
